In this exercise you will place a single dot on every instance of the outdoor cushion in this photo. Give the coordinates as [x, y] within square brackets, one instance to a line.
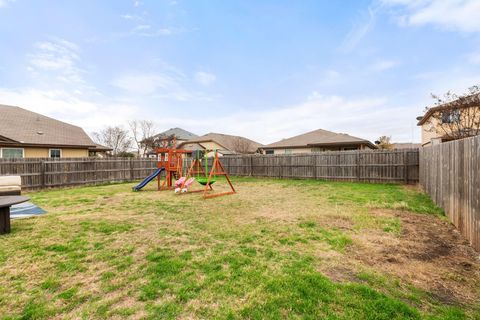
[10, 190]
[10, 181]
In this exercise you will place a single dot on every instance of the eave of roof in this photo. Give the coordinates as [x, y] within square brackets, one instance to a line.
[200, 141]
[34, 145]
[461, 103]
[348, 143]
[99, 147]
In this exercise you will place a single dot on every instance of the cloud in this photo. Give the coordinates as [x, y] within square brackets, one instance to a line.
[73, 108]
[131, 17]
[169, 85]
[205, 78]
[4, 3]
[456, 15]
[145, 30]
[474, 57]
[56, 59]
[360, 29]
[145, 84]
[383, 65]
[366, 118]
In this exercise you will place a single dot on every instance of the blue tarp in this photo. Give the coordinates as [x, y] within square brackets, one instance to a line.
[25, 210]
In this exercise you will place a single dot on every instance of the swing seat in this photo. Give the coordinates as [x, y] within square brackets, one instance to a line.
[204, 180]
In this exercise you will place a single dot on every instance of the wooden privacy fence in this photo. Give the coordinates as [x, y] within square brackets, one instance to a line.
[397, 166]
[450, 174]
[46, 173]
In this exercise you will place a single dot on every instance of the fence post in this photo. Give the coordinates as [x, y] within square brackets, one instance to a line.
[42, 174]
[358, 164]
[251, 166]
[405, 166]
[131, 170]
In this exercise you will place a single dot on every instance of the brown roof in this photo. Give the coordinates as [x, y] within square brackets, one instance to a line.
[319, 137]
[463, 102]
[230, 143]
[25, 127]
[100, 148]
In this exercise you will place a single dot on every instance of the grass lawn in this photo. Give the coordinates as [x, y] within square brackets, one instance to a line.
[279, 249]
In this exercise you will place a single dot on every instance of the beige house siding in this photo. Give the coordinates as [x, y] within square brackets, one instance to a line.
[35, 152]
[428, 136]
[74, 153]
[42, 152]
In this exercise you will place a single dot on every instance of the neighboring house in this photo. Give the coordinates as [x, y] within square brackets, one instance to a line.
[180, 134]
[225, 144]
[159, 139]
[99, 151]
[317, 141]
[450, 121]
[26, 134]
[406, 145]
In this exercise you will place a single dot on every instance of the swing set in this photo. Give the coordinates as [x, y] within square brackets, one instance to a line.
[173, 161]
[207, 177]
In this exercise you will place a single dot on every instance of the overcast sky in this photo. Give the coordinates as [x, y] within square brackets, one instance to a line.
[266, 70]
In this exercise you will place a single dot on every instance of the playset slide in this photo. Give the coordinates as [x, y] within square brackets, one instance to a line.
[148, 179]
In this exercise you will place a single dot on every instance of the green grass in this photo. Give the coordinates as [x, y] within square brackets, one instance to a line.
[268, 252]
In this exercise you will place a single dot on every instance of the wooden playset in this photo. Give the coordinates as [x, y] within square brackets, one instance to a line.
[173, 162]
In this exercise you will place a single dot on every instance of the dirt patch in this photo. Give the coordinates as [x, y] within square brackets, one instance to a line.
[429, 253]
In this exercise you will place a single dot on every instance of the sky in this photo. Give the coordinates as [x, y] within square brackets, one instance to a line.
[262, 69]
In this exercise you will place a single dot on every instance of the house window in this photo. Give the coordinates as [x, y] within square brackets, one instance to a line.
[451, 116]
[288, 151]
[55, 153]
[349, 148]
[268, 151]
[12, 153]
[316, 149]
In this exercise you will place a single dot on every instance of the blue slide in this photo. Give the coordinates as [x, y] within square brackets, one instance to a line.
[148, 179]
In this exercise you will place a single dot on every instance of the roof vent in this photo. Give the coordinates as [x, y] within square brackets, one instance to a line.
[40, 133]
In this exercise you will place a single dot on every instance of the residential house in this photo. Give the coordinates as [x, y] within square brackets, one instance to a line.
[317, 141]
[453, 120]
[180, 135]
[224, 144]
[26, 134]
[159, 139]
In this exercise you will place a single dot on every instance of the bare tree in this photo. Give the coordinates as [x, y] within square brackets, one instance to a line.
[384, 143]
[242, 145]
[456, 116]
[142, 133]
[153, 142]
[116, 138]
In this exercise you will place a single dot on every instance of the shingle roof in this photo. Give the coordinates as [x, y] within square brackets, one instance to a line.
[179, 133]
[229, 142]
[318, 138]
[26, 127]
